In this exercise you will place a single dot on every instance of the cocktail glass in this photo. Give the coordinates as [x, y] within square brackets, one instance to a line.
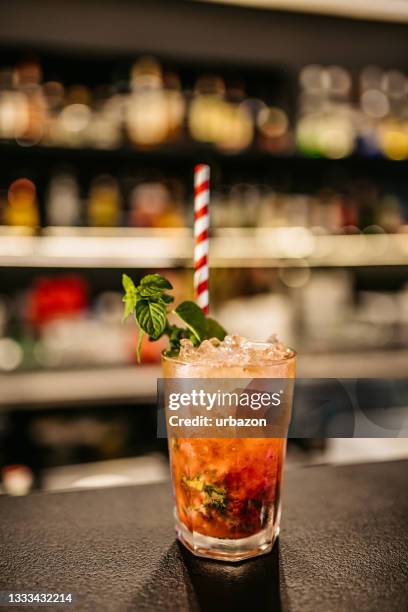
[228, 490]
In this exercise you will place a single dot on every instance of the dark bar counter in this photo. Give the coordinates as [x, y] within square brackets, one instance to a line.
[343, 547]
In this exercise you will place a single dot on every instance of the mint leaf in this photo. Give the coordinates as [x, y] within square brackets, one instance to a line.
[149, 291]
[127, 283]
[130, 297]
[217, 497]
[197, 483]
[193, 317]
[214, 329]
[129, 307]
[193, 339]
[151, 317]
[153, 286]
[175, 335]
[156, 280]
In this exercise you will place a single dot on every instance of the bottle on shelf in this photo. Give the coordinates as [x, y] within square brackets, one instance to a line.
[153, 205]
[63, 201]
[326, 122]
[22, 206]
[150, 118]
[28, 79]
[105, 127]
[104, 202]
[14, 113]
[273, 130]
[74, 121]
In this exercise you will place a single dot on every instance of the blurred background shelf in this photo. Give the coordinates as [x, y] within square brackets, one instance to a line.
[105, 108]
[177, 151]
[89, 385]
[137, 384]
[141, 248]
[231, 247]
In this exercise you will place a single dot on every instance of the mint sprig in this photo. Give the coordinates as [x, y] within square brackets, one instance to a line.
[148, 302]
[194, 319]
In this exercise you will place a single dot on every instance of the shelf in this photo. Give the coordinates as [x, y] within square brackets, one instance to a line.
[184, 151]
[229, 248]
[167, 151]
[356, 9]
[84, 249]
[285, 246]
[32, 390]
[56, 388]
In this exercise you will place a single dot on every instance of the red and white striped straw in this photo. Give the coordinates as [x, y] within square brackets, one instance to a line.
[201, 227]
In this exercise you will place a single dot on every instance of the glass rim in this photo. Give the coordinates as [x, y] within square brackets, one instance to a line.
[292, 354]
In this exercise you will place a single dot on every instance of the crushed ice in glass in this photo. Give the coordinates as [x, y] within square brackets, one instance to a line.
[234, 350]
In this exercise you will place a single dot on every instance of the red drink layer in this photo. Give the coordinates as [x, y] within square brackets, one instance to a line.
[227, 488]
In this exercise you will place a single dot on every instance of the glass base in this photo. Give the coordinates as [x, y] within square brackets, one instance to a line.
[227, 549]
